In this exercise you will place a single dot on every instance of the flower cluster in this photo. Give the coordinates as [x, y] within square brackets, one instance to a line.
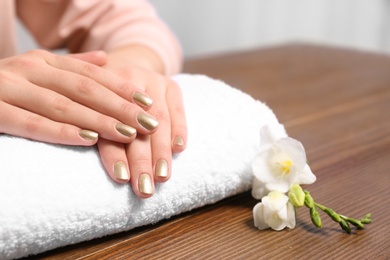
[279, 169]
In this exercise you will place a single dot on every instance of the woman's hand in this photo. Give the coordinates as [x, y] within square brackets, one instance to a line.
[148, 158]
[61, 99]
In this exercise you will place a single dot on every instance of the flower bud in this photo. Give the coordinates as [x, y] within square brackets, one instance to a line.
[344, 225]
[315, 217]
[356, 223]
[296, 195]
[309, 202]
[366, 221]
[332, 214]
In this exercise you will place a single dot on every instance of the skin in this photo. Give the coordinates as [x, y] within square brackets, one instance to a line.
[50, 98]
[143, 67]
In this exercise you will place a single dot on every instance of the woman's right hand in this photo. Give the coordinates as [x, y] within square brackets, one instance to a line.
[60, 99]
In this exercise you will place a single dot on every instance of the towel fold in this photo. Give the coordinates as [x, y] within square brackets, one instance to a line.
[55, 195]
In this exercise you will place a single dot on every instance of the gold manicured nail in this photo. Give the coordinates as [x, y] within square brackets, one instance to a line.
[142, 100]
[162, 168]
[125, 129]
[178, 141]
[88, 135]
[120, 171]
[147, 121]
[145, 184]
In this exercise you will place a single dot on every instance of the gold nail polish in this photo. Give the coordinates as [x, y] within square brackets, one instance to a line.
[146, 121]
[125, 129]
[162, 168]
[178, 141]
[145, 184]
[142, 100]
[88, 135]
[120, 171]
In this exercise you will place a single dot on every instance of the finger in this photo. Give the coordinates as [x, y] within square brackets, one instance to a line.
[99, 58]
[178, 118]
[161, 154]
[19, 122]
[140, 162]
[64, 110]
[161, 139]
[109, 80]
[113, 156]
[87, 92]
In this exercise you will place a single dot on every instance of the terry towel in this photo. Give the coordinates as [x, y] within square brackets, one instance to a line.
[55, 195]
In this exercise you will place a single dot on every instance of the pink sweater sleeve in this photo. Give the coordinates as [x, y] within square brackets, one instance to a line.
[81, 25]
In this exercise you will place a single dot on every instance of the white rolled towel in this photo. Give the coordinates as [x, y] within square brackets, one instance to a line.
[54, 195]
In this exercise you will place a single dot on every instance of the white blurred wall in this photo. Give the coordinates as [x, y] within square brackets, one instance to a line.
[213, 26]
[209, 26]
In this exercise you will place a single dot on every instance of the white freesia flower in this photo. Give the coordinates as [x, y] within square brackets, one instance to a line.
[258, 189]
[275, 211]
[280, 167]
[279, 164]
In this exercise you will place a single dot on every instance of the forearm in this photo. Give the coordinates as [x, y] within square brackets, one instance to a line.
[110, 25]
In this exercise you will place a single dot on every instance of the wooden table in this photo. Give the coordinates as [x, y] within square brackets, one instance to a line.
[337, 103]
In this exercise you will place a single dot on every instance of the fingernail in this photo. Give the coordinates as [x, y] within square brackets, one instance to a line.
[145, 184]
[178, 141]
[162, 168]
[147, 121]
[142, 100]
[88, 135]
[120, 171]
[125, 129]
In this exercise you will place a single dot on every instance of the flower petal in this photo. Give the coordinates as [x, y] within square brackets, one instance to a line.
[258, 216]
[282, 213]
[290, 223]
[275, 200]
[306, 176]
[260, 166]
[279, 185]
[294, 149]
[258, 189]
[275, 222]
[268, 137]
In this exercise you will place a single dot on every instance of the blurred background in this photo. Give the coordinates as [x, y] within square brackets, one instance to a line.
[208, 27]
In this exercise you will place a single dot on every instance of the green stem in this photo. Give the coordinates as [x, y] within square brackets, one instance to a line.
[344, 221]
[321, 207]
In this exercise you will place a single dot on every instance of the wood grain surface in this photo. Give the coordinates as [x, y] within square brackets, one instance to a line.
[337, 103]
